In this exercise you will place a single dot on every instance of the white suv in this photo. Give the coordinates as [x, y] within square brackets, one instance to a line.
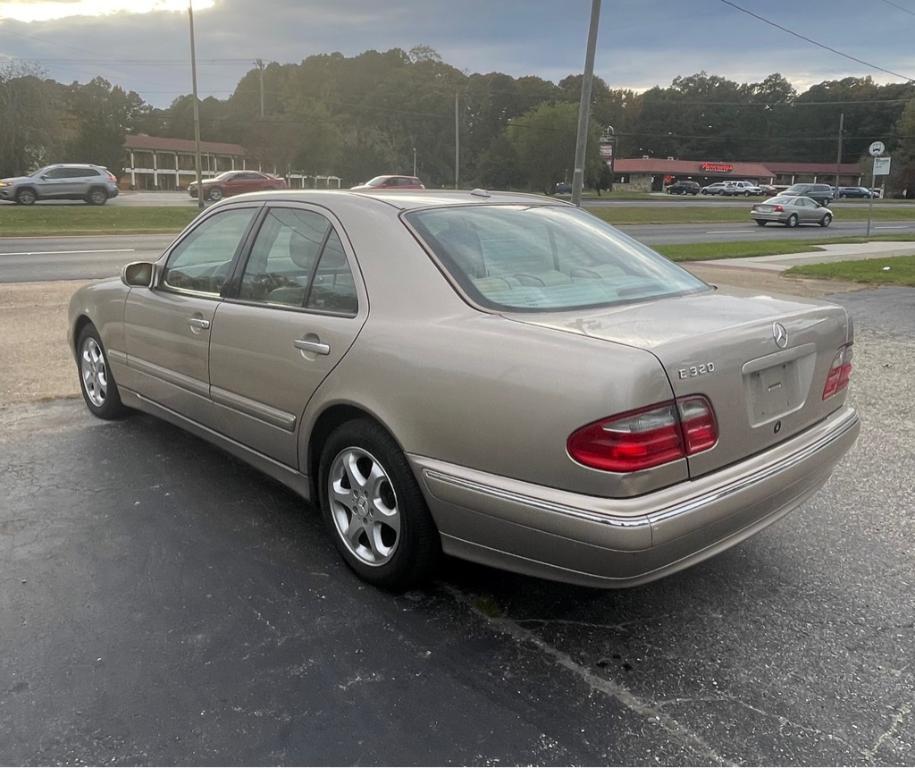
[745, 188]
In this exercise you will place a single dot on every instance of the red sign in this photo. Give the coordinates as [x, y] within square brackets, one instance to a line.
[716, 167]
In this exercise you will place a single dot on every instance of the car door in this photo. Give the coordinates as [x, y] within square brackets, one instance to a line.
[56, 182]
[293, 311]
[807, 209]
[168, 326]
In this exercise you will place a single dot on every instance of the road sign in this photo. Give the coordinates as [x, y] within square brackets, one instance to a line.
[876, 149]
[881, 166]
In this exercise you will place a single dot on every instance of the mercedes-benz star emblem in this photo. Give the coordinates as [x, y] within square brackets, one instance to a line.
[780, 334]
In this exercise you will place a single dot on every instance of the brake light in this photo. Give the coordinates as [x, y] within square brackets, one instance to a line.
[839, 372]
[647, 437]
[111, 176]
[779, 208]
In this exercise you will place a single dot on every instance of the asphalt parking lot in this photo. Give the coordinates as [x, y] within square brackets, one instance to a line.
[162, 603]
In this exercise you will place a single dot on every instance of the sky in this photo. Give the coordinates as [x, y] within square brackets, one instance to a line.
[143, 44]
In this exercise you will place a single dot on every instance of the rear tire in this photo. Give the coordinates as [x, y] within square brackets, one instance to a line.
[97, 196]
[96, 381]
[760, 223]
[367, 489]
[826, 220]
[792, 221]
[26, 197]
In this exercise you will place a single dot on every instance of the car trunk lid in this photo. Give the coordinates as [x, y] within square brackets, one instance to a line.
[761, 361]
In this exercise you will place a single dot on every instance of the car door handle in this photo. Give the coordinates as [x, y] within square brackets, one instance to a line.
[307, 345]
[199, 323]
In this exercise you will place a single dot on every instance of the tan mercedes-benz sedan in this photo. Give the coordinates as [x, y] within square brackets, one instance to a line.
[504, 378]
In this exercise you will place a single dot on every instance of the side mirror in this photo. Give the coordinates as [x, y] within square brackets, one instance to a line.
[44, 178]
[138, 274]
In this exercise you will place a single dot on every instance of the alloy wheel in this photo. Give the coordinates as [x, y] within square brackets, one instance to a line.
[94, 372]
[363, 506]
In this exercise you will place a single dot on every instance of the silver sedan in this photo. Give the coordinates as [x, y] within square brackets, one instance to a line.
[499, 377]
[791, 211]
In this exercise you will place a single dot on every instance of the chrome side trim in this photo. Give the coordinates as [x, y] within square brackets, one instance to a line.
[284, 474]
[256, 410]
[116, 356]
[848, 423]
[761, 475]
[172, 377]
[530, 501]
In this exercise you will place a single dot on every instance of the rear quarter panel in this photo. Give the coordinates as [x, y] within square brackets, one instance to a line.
[477, 389]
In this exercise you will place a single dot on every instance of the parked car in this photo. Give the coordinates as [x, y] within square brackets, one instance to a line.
[856, 192]
[714, 189]
[394, 182]
[500, 377]
[66, 181]
[683, 187]
[562, 188]
[791, 211]
[821, 193]
[236, 183]
[769, 190]
[744, 188]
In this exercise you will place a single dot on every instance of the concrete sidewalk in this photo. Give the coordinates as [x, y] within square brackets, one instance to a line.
[823, 254]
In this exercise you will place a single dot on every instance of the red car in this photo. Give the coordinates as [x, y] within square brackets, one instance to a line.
[391, 182]
[235, 183]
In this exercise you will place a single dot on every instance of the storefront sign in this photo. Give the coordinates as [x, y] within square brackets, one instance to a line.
[716, 167]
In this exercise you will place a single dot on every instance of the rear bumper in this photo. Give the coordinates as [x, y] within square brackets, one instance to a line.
[781, 218]
[604, 542]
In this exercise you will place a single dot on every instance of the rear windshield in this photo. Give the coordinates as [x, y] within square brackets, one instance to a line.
[541, 257]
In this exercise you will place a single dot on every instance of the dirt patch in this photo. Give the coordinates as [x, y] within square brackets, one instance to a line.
[766, 281]
[33, 322]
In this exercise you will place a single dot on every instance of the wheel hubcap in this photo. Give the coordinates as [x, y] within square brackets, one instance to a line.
[364, 506]
[94, 372]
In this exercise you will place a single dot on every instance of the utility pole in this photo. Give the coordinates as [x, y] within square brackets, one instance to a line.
[260, 67]
[457, 141]
[584, 107]
[190, 16]
[414, 161]
[839, 152]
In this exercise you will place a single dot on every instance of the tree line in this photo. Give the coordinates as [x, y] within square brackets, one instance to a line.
[360, 116]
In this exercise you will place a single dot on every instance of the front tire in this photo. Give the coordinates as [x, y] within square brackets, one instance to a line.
[26, 197]
[374, 509]
[826, 220]
[96, 381]
[215, 195]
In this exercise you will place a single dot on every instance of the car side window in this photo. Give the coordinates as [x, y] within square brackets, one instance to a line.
[56, 173]
[333, 288]
[202, 261]
[283, 258]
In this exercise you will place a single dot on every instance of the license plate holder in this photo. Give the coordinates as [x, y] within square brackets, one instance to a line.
[773, 392]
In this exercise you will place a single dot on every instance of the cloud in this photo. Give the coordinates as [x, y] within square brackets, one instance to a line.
[51, 10]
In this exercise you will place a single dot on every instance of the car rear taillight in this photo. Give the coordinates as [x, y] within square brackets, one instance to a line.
[779, 208]
[647, 437]
[839, 372]
[111, 176]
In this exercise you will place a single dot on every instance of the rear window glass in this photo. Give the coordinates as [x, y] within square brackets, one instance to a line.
[542, 257]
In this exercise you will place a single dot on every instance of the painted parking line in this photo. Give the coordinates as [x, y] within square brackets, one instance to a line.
[896, 226]
[57, 253]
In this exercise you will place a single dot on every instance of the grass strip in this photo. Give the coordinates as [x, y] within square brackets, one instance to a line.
[896, 270]
[38, 220]
[741, 248]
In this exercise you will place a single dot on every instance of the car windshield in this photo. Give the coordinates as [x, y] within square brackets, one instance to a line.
[780, 201]
[533, 258]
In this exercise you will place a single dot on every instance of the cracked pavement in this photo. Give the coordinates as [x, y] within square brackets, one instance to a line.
[163, 603]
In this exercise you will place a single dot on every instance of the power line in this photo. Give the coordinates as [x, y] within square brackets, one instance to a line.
[815, 42]
[899, 7]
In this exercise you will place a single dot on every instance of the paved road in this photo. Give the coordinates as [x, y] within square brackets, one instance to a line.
[131, 199]
[164, 604]
[63, 258]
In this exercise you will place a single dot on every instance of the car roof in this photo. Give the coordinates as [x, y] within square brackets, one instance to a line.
[429, 198]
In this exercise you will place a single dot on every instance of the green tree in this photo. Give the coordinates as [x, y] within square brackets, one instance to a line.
[32, 129]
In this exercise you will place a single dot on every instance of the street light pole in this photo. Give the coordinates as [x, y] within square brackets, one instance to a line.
[584, 107]
[839, 152]
[414, 161]
[260, 68]
[190, 15]
[457, 142]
